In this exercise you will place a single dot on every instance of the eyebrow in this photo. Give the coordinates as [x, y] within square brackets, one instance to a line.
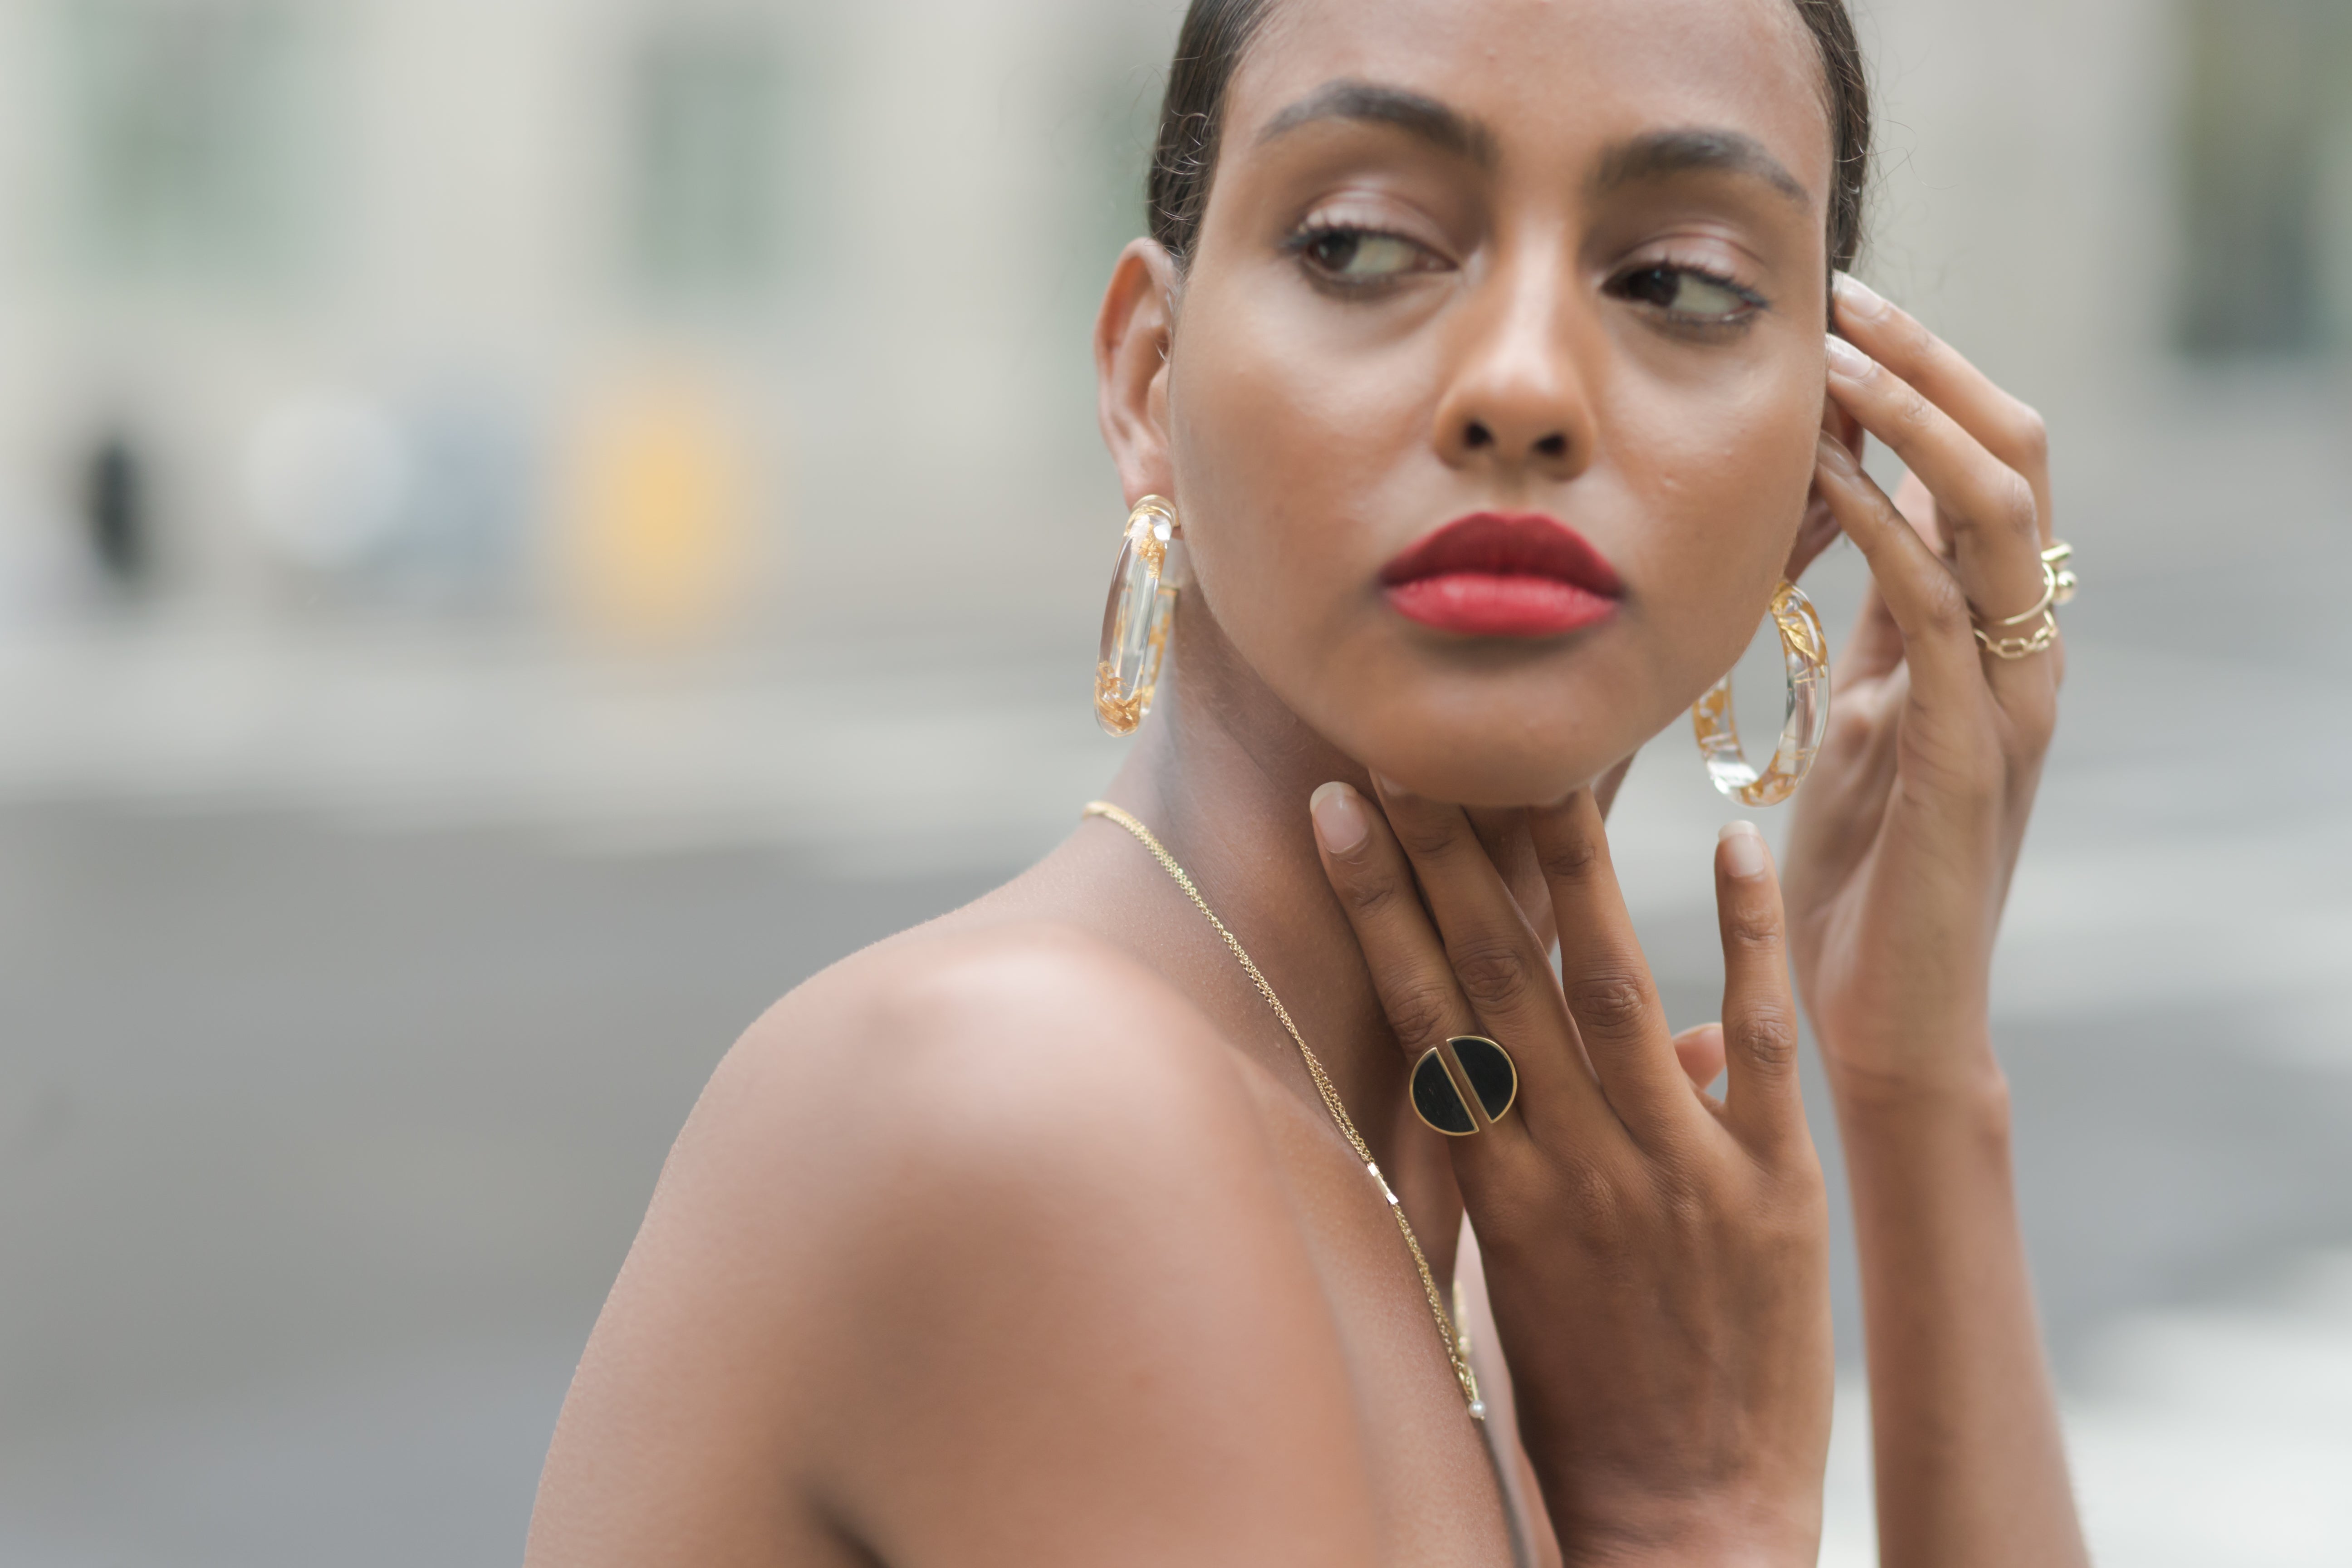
[1661, 155]
[1446, 129]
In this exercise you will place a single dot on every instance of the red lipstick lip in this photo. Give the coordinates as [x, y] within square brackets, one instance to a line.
[1517, 574]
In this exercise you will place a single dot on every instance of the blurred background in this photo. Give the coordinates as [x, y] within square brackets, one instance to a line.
[526, 529]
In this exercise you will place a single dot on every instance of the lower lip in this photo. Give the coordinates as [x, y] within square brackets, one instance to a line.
[1488, 604]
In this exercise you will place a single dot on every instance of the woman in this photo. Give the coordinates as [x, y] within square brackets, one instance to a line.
[1045, 1234]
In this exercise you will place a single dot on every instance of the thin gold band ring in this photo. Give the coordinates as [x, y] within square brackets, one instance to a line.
[2058, 585]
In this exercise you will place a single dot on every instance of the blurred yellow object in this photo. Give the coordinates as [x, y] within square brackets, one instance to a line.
[661, 540]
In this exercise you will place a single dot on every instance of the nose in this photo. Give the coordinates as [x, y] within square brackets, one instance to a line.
[1517, 400]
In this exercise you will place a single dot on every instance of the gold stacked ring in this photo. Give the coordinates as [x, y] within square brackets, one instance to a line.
[2058, 585]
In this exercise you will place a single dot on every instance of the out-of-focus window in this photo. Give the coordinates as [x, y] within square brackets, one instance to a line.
[707, 134]
[2267, 176]
[187, 133]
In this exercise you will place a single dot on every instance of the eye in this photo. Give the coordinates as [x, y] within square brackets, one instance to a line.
[1685, 292]
[1359, 256]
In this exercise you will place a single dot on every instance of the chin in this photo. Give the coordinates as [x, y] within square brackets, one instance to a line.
[1494, 765]
[1495, 738]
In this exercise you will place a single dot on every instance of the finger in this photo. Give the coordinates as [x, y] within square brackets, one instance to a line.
[1409, 971]
[1502, 968]
[1875, 646]
[1699, 1049]
[1503, 833]
[1605, 787]
[1911, 498]
[1603, 974]
[1920, 591]
[1918, 509]
[1410, 974]
[2005, 427]
[1760, 1016]
[1987, 507]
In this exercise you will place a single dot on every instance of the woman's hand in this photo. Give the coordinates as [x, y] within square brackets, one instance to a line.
[1905, 840]
[1910, 825]
[1657, 1259]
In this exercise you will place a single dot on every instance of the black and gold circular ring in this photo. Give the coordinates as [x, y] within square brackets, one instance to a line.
[1486, 1071]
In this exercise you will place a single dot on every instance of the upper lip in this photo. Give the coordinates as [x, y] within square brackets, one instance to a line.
[1506, 544]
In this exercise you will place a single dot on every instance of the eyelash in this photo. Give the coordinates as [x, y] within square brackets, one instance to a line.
[1301, 244]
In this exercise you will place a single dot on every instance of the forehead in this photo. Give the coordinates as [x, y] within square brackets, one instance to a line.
[1557, 78]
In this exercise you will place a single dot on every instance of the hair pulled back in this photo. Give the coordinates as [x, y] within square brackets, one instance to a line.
[1217, 33]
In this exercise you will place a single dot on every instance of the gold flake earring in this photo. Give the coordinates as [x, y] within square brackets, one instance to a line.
[1150, 574]
[1805, 657]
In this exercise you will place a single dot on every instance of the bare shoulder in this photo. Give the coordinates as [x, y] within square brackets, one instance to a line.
[1018, 1056]
[981, 1031]
[977, 1231]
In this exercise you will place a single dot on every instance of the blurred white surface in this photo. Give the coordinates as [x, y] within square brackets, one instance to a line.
[2203, 1438]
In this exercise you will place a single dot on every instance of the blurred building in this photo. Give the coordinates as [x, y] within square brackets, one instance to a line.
[2136, 214]
[639, 311]
[769, 316]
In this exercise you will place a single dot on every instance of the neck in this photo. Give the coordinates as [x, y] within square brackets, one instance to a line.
[1222, 774]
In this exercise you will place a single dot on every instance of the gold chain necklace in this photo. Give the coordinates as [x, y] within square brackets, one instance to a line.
[1323, 1086]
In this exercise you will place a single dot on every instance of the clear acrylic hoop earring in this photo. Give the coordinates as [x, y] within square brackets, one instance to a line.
[1805, 656]
[1142, 605]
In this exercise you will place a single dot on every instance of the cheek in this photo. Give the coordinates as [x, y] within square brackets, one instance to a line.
[1722, 480]
[1283, 445]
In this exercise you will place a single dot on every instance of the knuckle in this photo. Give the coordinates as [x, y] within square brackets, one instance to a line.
[1611, 1001]
[1424, 834]
[1368, 893]
[1768, 1037]
[1506, 1193]
[2018, 510]
[1687, 1203]
[1573, 857]
[1597, 1197]
[1984, 776]
[1911, 336]
[1914, 415]
[1418, 1013]
[2036, 714]
[1785, 1222]
[1947, 608]
[1494, 974]
[2028, 438]
[1970, 774]
[1753, 923]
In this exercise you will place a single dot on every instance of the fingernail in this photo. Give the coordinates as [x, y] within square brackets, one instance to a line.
[1857, 296]
[1834, 453]
[1743, 850]
[1389, 786]
[1848, 361]
[1339, 820]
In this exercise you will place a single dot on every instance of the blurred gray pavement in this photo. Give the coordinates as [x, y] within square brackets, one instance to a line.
[352, 989]
[321, 1148]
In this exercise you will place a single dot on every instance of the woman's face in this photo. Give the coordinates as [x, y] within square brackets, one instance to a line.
[1542, 270]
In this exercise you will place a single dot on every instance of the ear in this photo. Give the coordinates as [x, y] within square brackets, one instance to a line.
[1820, 530]
[1132, 338]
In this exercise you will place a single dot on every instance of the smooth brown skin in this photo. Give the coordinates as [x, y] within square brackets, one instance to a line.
[1671, 1342]
[1023, 1238]
[1904, 841]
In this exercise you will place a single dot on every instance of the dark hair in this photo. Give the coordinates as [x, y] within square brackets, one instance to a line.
[1217, 33]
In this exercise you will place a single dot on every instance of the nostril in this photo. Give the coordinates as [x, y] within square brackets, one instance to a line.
[1478, 436]
[1553, 446]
